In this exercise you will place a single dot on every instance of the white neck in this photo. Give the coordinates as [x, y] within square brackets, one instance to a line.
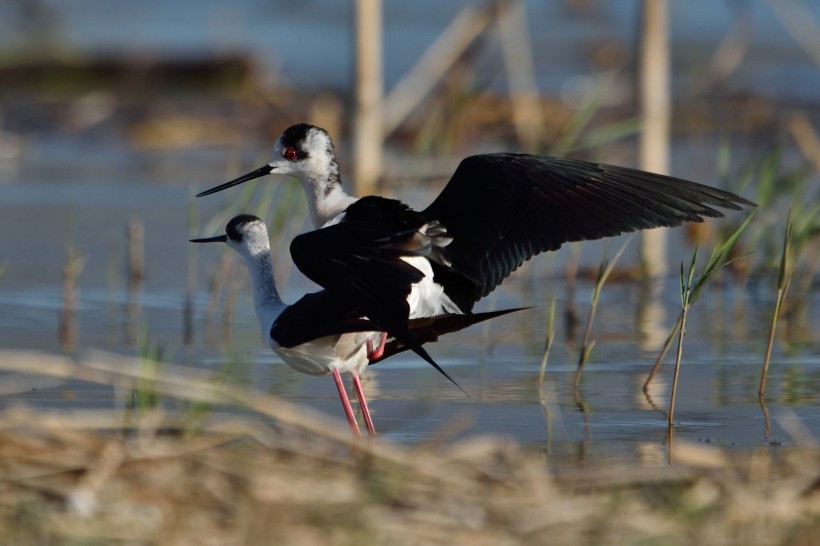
[267, 302]
[325, 201]
[318, 171]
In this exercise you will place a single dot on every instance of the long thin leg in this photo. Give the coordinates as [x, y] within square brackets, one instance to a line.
[375, 354]
[363, 404]
[351, 419]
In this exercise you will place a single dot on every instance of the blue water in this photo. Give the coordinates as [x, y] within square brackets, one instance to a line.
[497, 363]
[73, 189]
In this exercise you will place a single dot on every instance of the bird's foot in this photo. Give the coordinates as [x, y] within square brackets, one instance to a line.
[378, 352]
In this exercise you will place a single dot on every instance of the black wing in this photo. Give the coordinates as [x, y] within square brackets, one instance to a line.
[358, 260]
[317, 315]
[502, 209]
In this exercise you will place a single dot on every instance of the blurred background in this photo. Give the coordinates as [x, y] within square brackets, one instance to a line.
[170, 94]
[113, 114]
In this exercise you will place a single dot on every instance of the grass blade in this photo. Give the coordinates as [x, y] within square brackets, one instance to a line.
[718, 259]
[783, 281]
[604, 270]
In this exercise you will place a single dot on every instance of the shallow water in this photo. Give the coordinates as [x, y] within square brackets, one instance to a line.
[77, 187]
[496, 363]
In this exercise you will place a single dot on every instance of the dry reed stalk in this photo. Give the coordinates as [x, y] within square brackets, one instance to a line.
[83, 497]
[730, 52]
[806, 138]
[801, 23]
[233, 285]
[527, 116]
[216, 283]
[68, 312]
[655, 119]
[433, 65]
[135, 243]
[301, 488]
[368, 136]
[192, 384]
[135, 268]
[114, 286]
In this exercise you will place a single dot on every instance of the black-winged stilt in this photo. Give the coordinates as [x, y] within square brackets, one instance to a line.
[496, 212]
[322, 333]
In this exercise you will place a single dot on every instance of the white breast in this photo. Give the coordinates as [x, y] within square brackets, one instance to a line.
[347, 353]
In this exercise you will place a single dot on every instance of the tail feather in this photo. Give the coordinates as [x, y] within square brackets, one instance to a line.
[429, 329]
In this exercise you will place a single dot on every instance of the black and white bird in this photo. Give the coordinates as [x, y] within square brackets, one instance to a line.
[395, 264]
[322, 333]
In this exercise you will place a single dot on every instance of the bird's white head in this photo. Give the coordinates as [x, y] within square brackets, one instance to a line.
[305, 152]
[246, 234]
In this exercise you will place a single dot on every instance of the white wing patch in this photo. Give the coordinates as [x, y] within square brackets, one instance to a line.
[427, 298]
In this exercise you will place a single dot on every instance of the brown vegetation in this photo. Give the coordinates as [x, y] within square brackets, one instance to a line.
[273, 473]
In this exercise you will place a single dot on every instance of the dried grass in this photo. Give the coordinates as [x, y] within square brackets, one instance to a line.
[262, 476]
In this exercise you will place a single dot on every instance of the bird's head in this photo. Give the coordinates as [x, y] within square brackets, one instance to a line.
[303, 151]
[246, 234]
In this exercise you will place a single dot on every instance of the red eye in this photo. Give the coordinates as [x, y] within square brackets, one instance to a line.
[289, 154]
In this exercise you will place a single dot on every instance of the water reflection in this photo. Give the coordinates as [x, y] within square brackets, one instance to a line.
[767, 426]
[651, 315]
[652, 454]
[652, 397]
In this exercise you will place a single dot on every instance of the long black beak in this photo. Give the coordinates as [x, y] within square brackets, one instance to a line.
[218, 239]
[261, 171]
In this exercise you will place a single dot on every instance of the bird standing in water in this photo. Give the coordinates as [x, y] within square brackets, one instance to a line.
[395, 264]
[322, 333]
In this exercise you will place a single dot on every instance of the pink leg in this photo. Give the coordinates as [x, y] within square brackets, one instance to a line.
[375, 354]
[351, 419]
[363, 403]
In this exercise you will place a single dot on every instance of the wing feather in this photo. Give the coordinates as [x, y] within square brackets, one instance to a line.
[502, 209]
